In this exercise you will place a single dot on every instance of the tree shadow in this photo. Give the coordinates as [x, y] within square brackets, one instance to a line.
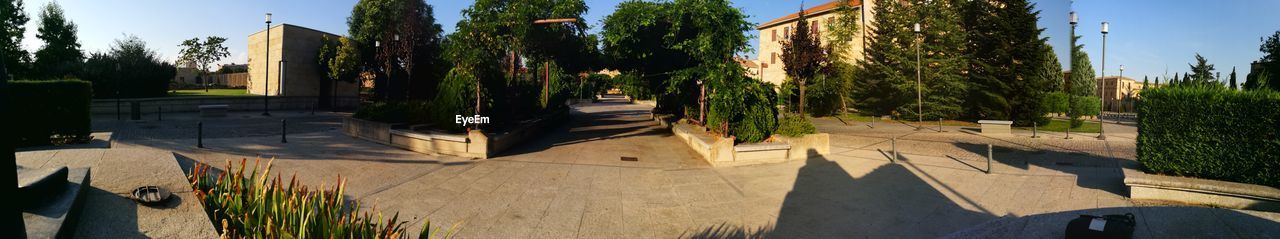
[1084, 166]
[593, 126]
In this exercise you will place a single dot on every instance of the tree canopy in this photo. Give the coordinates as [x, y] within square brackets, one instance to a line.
[60, 56]
[13, 21]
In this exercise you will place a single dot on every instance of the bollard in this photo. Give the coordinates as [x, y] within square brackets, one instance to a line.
[1035, 129]
[283, 131]
[159, 113]
[988, 158]
[199, 134]
[939, 124]
[894, 144]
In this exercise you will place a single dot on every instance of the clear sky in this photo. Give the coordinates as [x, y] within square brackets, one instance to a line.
[1145, 35]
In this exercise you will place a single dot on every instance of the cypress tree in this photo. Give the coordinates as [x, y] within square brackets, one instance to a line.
[1232, 78]
[1144, 82]
[1083, 82]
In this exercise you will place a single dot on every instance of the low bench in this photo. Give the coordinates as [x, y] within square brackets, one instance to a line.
[996, 126]
[213, 110]
[1153, 187]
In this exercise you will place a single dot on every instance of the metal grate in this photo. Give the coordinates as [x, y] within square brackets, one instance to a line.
[630, 159]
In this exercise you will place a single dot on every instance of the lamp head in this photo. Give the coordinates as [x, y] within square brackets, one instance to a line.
[1106, 27]
[268, 18]
[916, 28]
[1074, 18]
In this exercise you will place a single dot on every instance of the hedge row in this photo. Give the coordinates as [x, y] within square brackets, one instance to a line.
[1210, 133]
[50, 109]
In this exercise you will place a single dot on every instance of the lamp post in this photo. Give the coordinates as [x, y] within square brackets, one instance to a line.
[266, 69]
[1120, 108]
[1071, 96]
[919, 94]
[546, 67]
[1102, 103]
[702, 103]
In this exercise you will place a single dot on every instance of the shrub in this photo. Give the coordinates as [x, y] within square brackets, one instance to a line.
[45, 109]
[129, 68]
[413, 112]
[1208, 133]
[456, 97]
[1055, 102]
[795, 126]
[740, 106]
[252, 205]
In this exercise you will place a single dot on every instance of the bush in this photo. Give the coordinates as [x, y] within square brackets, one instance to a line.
[252, 205]
[413, 112]
[1055, 102]
[456, 97]
[129, 68]
[795, 126]
[740, 106]
[45, 109]
[1214, 134]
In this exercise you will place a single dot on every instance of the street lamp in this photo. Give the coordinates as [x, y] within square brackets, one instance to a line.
[1071, 96]
[1102, 103]
[1120, 108]
[266, 69]
[919, 96]
[546, 68]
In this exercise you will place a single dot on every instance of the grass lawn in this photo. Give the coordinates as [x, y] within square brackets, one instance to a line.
[212, 92]
[1057, 125]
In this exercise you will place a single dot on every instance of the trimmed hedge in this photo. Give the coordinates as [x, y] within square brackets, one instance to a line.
[793, 125]
[56, 109]
[1211, 133]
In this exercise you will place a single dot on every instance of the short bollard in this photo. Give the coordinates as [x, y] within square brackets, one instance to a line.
[988, 158]
[284, 131]
[1035, 130]
[159, 113]
[894, 145]
[199, 134]
[939, 124]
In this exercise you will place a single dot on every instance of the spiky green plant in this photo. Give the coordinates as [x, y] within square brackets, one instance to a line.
[256, 206]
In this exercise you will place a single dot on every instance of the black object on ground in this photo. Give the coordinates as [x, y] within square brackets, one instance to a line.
[150, 195]
[1107, 226]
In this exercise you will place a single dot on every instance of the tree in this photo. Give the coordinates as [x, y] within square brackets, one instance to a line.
[1144, 81]
[130, 69]
[841, 33]
[338, 61]
[202, 54]
[1201, 73]
[803, 57]
[1233, 78]
[635, 41]
[1263, 78]
[1083, 81]
[60, 56]
[1157, 82]
[1010, 68]
[377, 22]
[13, 21]
[1051, 69]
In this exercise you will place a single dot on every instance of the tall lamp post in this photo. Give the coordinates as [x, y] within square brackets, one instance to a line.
[919, 95]
[1102, 103]
[546, 68]
[1121, 107]
[1071, 96]
[266, 69]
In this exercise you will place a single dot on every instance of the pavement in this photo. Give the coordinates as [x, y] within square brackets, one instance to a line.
[571, 183]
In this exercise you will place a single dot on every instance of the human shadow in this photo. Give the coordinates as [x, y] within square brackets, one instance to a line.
[888, 202]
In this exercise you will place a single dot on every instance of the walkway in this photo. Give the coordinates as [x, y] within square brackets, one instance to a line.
[573, 183]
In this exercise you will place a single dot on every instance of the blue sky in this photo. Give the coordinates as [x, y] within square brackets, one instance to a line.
[1146, 35]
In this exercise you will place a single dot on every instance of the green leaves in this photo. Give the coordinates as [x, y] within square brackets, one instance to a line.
[1210, 133]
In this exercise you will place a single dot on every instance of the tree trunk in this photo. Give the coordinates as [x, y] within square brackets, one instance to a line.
[802, 82]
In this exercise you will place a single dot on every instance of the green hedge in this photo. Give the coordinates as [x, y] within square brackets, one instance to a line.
[45, 110]
[1208, 133]
[793, 125]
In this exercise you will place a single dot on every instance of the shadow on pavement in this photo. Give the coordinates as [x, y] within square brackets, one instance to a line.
[593, 126]
[888, 202]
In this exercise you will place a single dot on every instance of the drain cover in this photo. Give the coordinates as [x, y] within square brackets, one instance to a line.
[150, 195]
[630, 159]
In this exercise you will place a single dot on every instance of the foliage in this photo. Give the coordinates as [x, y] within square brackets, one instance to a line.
[1232, 77]
[888, 70]
[1211, 133]
[375, 23]
[633, 85]
[1051, 70]
[60, 56]
[202, 54]
[1008, 61]
[55, 108]
[456, 97]
[823, 96]
[400, 111]
[129, 68]
[1055, 102]
[737, 105]
[1086, 105]
[1267, 77]
[636, 42]
[803, 57]
[843, 31]
[1201, 74]
[338, 60]
[795, 126]
[250, 204]
[13, 21]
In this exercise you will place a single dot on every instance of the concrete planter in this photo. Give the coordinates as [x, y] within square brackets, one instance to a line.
[721, 152]
[473, 144]
[1144, 186]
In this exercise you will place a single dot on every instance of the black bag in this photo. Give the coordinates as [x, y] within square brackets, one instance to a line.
[1107, 226]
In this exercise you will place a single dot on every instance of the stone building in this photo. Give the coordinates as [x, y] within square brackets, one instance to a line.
[292, 61]
[774, 32]
[1121, 93]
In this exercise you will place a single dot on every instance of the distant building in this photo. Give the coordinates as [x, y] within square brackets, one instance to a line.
[752, 67]
[774, 32]
[185, 75]
[292, 61]
[1121, 93]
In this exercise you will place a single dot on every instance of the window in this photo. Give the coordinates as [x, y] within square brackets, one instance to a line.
[786, 32]
[775, 34]
[773, 59]
[813, 28]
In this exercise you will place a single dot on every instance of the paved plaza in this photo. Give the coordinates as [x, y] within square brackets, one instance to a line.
[572, 183]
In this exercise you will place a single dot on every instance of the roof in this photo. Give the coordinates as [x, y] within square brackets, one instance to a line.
[826, 7]
[746, 62]
[294, 26]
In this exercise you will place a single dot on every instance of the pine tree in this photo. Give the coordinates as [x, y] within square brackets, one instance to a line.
[1051, 69]
[1083, 82]
[61, 55]
[1232, 78]
[1174, 80]
[1144, 81]
[888, 66]
[943, 44]
[13, 20]
[1010, 70]
[803, 57]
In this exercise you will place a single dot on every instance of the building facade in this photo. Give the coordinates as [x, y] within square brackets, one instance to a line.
[293, 69]
[1121, 93]
[774, 32]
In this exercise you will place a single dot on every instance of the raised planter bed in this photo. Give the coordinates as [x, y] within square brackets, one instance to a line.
[474, 144]
[1144, 186]
[721, 152]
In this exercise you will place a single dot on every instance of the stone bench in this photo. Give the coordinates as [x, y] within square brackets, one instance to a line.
[213, 110]
[996, 126]
[1144, 186]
